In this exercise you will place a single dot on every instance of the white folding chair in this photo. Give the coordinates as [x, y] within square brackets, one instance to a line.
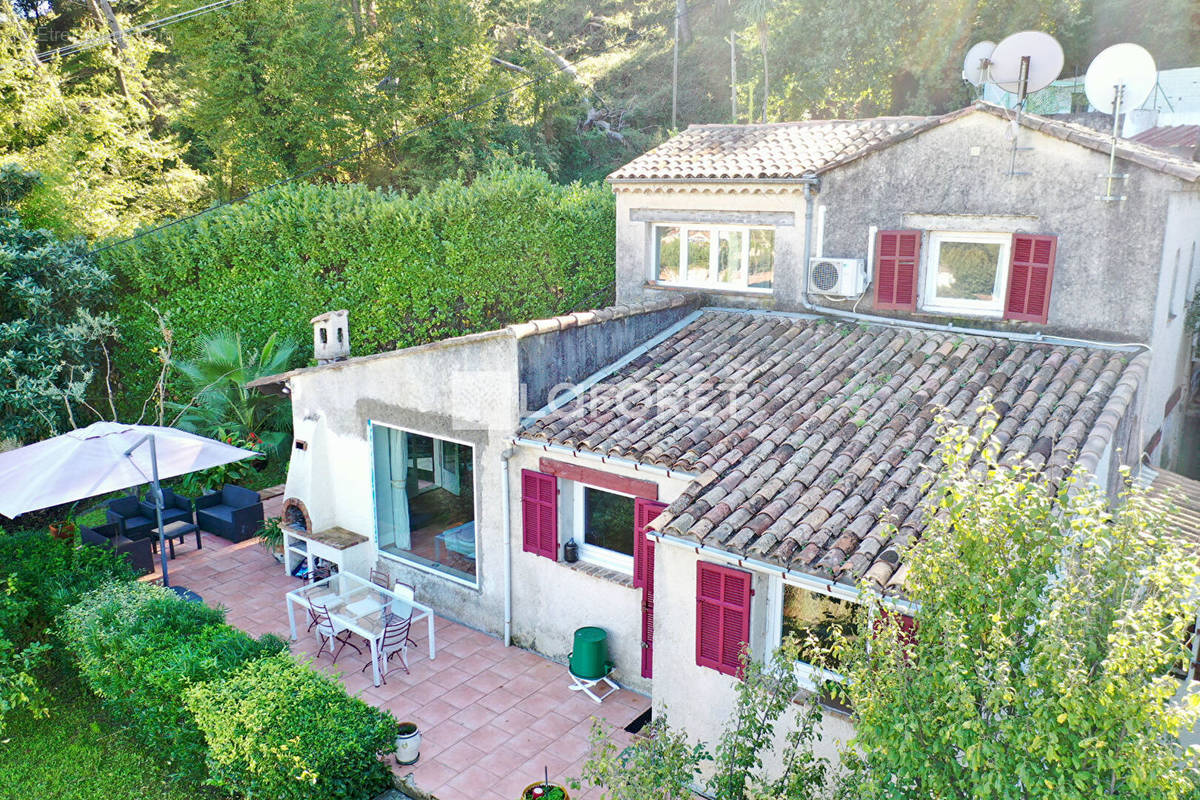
[328, 632]
[393, 640]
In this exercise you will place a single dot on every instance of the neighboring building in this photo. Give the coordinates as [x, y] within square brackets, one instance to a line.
[744, 441]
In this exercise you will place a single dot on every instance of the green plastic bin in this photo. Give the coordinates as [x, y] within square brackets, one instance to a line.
[589, 659]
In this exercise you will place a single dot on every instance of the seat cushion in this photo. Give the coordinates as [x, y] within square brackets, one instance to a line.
[138, 522]
[219, 511]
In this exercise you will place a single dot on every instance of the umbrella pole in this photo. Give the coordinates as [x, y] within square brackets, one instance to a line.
[158, 509]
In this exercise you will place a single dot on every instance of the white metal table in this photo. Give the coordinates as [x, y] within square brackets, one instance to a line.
[358, 605]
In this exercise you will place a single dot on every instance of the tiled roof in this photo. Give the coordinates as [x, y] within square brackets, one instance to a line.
[772, 151]
[790, 151]
[813, 441]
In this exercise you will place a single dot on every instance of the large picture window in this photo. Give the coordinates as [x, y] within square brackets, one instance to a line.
[425, 501]
[604, 527]
[736, 257]
[967, 273]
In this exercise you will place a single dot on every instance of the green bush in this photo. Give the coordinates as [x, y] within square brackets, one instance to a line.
[139, 647]
[512, 245]
[39, 577]
[278, 729]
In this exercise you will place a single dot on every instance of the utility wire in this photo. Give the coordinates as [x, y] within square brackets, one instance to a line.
[136, 30]
[565, 66]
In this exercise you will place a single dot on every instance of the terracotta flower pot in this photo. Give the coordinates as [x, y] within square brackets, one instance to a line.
[62, 530]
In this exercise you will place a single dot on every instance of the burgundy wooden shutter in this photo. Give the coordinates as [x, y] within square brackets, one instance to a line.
[722, 617]
[644, 512]
[539, 512]
[897, 254]
[1029, 276]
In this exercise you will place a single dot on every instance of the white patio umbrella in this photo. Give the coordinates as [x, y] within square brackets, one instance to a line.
[105, 457]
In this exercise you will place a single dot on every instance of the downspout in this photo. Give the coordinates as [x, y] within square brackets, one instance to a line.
[812, 186]
[505, 510]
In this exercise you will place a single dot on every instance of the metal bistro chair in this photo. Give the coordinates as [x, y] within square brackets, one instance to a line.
[394, 640]
[406, 592]
[328, 633]
[379, 578]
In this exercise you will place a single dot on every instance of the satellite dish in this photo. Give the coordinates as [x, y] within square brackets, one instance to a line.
[976, 63]
[1026, 62]
[1125, 65]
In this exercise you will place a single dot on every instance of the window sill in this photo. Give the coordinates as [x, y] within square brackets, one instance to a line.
[603, 573]
[682, 287]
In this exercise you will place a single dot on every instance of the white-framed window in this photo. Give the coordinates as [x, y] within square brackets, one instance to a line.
[815, 617]
[727, 256]
[425, 502]
[603, 527]
[966, 273]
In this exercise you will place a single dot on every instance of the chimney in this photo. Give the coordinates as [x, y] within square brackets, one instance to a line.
[331, 336]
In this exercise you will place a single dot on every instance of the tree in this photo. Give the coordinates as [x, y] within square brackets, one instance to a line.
[50, 320]
[1044, 660]
[756, 12]
[216, 380]
[274, 90]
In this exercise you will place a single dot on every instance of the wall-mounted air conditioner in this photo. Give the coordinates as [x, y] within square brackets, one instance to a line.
[841, 277]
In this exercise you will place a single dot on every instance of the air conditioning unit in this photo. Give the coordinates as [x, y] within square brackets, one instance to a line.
[843, 277]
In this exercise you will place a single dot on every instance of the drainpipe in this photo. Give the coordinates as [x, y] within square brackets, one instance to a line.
[505, 510]
[812, 186]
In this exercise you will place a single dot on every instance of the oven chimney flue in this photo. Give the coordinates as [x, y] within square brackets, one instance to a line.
[331, 336]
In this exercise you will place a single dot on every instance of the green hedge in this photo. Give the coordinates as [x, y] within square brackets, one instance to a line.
[139, 647]
[278, 729]
[512, 245]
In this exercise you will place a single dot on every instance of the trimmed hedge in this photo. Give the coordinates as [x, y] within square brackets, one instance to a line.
[459, 258]
[139, 647]
[278, 729]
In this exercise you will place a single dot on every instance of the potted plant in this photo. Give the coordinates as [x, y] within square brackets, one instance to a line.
[408, 743]
[545, 790]
[271, 537]
[63, 529]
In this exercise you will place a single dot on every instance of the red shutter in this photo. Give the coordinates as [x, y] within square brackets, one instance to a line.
[722, 617]
[1029, 276]
[539, 512]
[644, 512]
[897, 254]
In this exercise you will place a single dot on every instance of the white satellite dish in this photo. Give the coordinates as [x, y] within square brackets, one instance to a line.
[1026, 62]
[976, 63]
[1127, 67]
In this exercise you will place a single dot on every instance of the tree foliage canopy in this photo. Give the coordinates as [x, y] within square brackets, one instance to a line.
[1045, 662]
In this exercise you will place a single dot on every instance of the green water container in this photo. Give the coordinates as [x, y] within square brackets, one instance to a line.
[589, 659]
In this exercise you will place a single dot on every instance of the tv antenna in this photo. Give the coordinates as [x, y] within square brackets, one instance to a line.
[977, 62]
[1119, 78]
[1022, 64]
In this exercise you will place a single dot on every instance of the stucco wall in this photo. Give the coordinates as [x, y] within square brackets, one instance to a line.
[462, 389]
[1106, 270]
[700, 699]
[1171, 344]
[571, 355]
[552, 599]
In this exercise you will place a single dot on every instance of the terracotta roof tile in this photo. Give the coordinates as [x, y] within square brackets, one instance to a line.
[815, 441]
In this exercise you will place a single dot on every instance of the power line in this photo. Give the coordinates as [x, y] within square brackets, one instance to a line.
[565, 66]
[136, 30]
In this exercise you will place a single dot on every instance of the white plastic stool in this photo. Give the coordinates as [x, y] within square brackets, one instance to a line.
[587, 685]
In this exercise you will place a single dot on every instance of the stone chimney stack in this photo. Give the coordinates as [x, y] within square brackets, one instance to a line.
[331, 336]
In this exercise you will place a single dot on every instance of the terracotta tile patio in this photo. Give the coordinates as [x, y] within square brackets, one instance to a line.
[491, 717]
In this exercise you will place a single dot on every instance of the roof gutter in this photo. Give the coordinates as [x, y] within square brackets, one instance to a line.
[812, 188]
[831, 588]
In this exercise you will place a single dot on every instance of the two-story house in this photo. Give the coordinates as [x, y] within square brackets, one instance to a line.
[742, 445]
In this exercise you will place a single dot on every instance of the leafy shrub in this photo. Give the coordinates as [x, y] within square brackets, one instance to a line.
[39, 577]
[279, 729]
[411, 269]
[139, 647]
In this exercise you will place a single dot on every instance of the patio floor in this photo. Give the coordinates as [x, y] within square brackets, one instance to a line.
[491, 717]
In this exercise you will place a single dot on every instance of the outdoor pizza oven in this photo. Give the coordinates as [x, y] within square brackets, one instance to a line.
[295, 516]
